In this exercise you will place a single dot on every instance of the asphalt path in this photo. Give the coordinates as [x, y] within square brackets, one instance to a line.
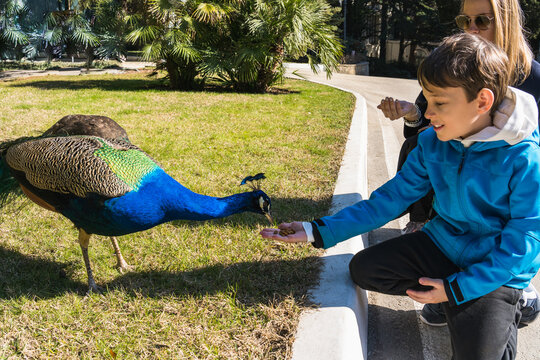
[394, 329]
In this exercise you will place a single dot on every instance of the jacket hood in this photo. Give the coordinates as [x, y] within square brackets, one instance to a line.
[515, 119]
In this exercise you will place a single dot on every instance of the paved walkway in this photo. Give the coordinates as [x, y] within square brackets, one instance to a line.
[123, 67]
[394, 330]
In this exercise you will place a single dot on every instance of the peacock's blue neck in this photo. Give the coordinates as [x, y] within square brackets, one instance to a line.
[184, 204]
[158, 199]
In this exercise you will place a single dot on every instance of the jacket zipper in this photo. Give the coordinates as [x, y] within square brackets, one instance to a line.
[460, 197]
[461, 163]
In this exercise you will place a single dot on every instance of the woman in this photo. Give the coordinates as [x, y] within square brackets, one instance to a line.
[499, 21]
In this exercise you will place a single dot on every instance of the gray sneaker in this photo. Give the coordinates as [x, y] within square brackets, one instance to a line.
[529, 305]
[433, 315]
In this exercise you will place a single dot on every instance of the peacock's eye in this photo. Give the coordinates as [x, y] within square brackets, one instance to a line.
[264, 204]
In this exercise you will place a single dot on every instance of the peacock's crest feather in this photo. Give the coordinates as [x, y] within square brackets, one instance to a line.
[254, 182]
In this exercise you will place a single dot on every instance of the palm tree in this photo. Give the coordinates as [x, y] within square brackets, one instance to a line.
[63, 29]
[12, 36]
[263, 32]
[105, 23]
[241, 42]
[169, 34]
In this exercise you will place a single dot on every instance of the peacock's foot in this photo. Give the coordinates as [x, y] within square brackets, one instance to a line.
[124, 268]
[93, 288]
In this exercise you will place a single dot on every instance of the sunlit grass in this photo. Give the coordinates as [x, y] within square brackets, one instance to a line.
[212, 290]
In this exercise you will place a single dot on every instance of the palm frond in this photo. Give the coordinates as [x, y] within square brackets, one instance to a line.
[186, 52]
[165, 10]
[111, 46]
[133, 20]
[53, 36]
[84, 37]
[152, 52]
[14, 36]
[209, 13]
[143, 34]
[51, 20]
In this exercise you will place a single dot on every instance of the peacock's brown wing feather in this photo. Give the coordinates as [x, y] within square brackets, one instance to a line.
[81, 165]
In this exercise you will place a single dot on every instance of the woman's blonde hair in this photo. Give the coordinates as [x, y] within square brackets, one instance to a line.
[510, 36]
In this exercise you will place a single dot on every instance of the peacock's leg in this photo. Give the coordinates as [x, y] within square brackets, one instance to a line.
[121, 264]
[84, 240]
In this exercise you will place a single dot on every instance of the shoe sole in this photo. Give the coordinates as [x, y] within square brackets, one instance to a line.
[423, 319]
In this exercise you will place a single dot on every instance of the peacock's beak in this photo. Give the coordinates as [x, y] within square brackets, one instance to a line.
[269, 217]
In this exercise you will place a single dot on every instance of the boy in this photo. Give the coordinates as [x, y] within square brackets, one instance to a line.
[481, 157]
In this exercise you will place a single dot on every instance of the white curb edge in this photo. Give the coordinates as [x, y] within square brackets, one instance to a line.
[338, 328]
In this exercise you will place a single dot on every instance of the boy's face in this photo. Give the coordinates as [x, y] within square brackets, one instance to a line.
[452, 116]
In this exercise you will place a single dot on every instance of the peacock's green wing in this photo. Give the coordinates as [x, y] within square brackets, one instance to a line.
[81, 165]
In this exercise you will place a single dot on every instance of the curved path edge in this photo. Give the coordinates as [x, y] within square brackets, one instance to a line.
[337, 329]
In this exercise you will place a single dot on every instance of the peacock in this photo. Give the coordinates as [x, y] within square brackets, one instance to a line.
[109, 187]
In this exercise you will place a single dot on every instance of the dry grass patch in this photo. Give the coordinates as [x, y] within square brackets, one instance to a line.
[212, 290]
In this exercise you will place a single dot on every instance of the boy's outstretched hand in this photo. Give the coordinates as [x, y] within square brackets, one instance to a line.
[433, 296]
[284, 233]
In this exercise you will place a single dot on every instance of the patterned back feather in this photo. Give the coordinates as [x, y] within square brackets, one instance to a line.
[9, 187]
[81, 165]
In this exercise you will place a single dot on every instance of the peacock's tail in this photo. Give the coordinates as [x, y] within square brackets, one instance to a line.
[9, 187]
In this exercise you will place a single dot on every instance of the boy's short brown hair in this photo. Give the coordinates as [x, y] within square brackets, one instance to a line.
[469, 62]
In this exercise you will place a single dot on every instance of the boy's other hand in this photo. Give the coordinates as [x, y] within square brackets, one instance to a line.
[433, 296]
[394, 109]
[299, 234]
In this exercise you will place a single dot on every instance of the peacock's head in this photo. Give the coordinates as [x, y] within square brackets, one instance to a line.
[262, 201]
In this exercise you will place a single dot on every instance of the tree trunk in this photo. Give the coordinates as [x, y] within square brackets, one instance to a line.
[49, 52]
[266, 76]
[384, 32]
[181, 76]
[89, 57]
[412, 57]
[174, 75]
[401, 48]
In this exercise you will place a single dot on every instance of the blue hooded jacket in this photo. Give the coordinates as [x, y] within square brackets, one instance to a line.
[487, 197]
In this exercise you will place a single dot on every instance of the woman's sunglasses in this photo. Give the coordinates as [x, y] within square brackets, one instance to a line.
[482, 22]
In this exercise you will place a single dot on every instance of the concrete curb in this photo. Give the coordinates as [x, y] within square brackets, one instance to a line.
[338, 328]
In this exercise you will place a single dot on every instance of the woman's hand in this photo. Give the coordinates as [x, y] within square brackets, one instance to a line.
[433, 296]
[299, 234]
[395, 109]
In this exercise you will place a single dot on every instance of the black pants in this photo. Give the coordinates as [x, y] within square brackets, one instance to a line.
[480, 329]
[422, 210]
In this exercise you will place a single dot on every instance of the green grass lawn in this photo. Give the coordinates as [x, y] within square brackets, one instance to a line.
[198, 290]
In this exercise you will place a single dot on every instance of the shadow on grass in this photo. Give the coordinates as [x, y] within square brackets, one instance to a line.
[127, 84]
[118, 84]
[22, 275]
[252, 282]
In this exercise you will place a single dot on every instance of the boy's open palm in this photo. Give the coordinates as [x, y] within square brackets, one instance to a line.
[282, 233]
[395, 109]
